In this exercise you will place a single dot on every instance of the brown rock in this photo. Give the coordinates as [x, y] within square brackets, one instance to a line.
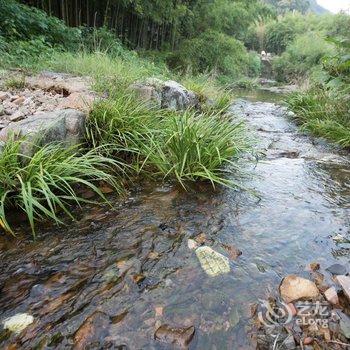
[201, 238]
[93, 329]
[138, 278]
[82, 101]
[314, 266]
[332, 296]
[233, 252]
[294, 288]
[308, 341]
[175, 336]
[344, 281]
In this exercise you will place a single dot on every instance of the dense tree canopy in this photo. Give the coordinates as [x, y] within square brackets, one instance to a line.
[154, 24]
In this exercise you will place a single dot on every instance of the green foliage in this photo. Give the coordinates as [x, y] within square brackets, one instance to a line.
[23, 23]
[303, 55]
[192, 147]
[182, 146]
[301, 6]
[324, 108]
[323, 113]
[47, 182]
[215, 51]
[102, 40]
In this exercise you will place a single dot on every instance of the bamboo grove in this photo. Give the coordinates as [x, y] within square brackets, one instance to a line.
[153, 24]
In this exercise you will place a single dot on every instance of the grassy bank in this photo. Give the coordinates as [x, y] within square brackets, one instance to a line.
[124, 136]
[324, 108]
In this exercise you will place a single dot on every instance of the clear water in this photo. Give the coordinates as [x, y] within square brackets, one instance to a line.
[90, 269]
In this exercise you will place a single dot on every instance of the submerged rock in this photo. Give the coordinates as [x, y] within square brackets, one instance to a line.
[18, 323]
[212, 262]
[294, 288]
[95, 328]
[175, 336]
[337, 269]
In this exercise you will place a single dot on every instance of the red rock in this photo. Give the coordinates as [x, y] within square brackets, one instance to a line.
[332, 296]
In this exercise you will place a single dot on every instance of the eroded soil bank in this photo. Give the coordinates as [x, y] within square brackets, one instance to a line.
[116, 275]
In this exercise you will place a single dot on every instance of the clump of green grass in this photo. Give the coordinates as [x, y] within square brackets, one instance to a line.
[184, 146]
[324, 113]
[195, 147]
[108, 72]
[49, 181]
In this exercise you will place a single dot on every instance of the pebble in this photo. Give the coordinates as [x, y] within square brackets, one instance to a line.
[332, 296]
[293, 311]
[17, 116]
[294, 288]
[19, 101]
[3, 95]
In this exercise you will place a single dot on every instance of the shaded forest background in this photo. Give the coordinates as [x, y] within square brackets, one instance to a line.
[162, 24]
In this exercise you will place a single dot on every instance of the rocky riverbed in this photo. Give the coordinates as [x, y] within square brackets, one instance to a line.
[189, 269]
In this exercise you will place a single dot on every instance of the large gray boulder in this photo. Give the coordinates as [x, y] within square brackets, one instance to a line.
[66, 126]
[165, 94]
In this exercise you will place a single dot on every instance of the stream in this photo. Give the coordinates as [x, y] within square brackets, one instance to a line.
[109, 280]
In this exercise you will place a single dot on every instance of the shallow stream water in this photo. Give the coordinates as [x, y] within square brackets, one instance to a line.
[110, 279]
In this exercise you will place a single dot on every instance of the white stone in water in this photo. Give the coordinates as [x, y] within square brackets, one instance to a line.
[18, 322]
[212, 262]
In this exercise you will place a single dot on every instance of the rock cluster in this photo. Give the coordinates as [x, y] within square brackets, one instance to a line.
[307, 314]
[49, 107]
